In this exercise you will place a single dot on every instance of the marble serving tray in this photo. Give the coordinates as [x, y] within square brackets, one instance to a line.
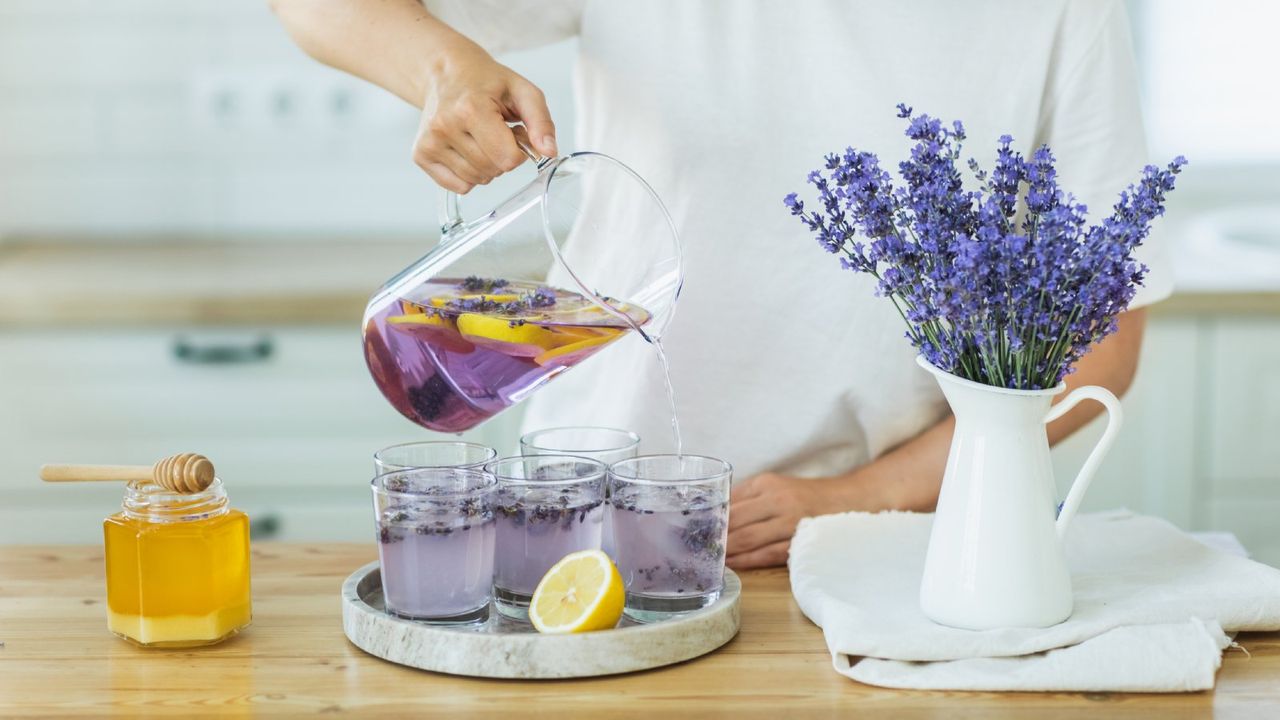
[503, 648]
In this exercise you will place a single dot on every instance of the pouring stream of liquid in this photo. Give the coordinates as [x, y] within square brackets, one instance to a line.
[671, 395]
[656, 342]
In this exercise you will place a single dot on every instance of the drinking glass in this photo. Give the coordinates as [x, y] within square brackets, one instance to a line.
[432, 454]
[670, 523]
[608, 445]
[546, 507]
[436, 535]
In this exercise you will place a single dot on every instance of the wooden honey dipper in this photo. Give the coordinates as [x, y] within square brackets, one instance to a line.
[181, 473]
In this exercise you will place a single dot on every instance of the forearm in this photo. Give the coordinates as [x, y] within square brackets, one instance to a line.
[468, 99]
[395, 44]
[909, 476]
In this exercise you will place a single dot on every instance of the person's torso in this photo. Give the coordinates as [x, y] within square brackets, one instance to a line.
[780, 360]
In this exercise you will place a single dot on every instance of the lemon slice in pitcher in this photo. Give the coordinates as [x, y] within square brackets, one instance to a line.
[440, 301]
[574, 352]
[434, 330]
[581, 593]
[506, 336]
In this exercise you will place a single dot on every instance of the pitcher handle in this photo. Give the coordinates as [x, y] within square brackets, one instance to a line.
[1115, 415]
[451, 213]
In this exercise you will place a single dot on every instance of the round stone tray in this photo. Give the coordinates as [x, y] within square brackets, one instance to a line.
[503, 648]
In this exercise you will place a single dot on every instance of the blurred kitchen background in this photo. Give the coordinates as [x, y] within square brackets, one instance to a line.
[192, 215]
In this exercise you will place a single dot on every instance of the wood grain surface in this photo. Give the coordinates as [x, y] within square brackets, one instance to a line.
[59, 660]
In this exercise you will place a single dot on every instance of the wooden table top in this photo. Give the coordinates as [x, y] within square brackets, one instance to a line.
[59, 660]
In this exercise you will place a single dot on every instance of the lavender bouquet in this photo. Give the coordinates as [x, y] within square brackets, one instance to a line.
[990, 292]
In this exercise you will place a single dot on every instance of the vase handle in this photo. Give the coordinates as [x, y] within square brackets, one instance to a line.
[1115, 415]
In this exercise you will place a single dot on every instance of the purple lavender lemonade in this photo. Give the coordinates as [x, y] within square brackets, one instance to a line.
[541, 520]
[436, 556]
[608, 445]
[670, 544]
[449, 354]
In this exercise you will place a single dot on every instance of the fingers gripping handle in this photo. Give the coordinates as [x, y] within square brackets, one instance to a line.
[451, 213]
[1115, 415]
[526, 146]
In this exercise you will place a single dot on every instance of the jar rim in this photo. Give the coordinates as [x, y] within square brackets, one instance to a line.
[145, 500]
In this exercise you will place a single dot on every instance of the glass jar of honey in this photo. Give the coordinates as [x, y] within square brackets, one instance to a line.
[177, 567]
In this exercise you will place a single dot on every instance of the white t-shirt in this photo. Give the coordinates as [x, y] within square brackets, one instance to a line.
[781, 360]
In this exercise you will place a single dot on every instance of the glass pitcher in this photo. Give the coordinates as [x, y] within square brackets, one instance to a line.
[578, 258]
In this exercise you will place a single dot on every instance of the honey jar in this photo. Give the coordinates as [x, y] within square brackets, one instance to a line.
[177, 567]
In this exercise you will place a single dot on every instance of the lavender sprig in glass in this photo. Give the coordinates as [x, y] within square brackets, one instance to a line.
[1006, 285]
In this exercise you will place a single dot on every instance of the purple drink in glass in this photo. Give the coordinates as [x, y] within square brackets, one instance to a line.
[436, 535]
[670, 525]
[546, 507]
[608, 445]
[452, 353]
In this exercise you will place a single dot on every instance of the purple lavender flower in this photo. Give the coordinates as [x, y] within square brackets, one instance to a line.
[1006, 303]
[542, 297]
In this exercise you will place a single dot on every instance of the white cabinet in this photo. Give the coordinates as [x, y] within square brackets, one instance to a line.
[291, 424]
[1151, 465]
[1243, 421]
[1201, 441]
[1241, 428]
[292, 432]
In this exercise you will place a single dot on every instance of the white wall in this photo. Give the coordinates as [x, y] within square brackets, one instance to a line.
[1209, 79]
[200, 116]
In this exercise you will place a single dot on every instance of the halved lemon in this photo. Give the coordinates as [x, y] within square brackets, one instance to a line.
[581, 593]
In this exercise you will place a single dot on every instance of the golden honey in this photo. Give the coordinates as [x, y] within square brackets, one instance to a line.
[177, 567]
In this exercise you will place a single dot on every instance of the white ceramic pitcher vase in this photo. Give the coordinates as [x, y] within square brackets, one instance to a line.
[995, 552]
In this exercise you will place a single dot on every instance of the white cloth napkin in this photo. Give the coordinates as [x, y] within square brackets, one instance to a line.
[1151, 604]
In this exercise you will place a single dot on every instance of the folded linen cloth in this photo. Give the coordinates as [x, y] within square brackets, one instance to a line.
[1151, 604]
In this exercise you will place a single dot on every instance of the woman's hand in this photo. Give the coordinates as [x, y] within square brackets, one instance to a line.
[469, 98]
[764, 512]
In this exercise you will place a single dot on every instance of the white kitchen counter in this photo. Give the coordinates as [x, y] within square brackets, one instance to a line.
[103, 283]
[1226, 261]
